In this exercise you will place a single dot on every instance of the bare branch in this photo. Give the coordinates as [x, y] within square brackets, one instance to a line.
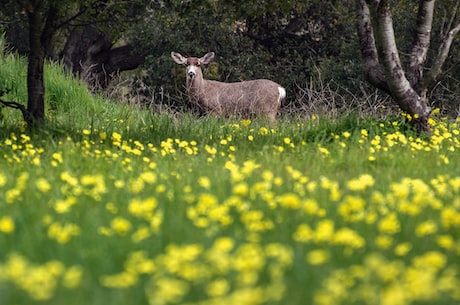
[26, 115]
[71, 18]
[441, 57]
[449, 25]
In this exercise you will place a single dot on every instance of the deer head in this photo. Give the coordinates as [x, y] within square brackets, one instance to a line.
[193, 63]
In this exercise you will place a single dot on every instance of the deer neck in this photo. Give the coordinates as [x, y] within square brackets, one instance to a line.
[195, 85]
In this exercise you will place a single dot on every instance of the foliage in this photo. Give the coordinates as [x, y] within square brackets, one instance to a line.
[110, 17]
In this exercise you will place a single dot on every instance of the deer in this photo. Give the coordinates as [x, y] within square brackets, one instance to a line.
[246, 99]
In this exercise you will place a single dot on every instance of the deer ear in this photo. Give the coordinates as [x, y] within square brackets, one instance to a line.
[207, 58]
[179, 59]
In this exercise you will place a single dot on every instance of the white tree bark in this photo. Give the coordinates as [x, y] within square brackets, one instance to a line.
[374, 71]
[421, 41]
[399, 85]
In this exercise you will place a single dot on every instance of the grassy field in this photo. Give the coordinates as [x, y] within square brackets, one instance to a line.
[110, 204]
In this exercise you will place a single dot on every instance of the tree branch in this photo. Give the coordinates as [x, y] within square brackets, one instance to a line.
[421, 42]
[26, 115]
[441, 57]
[449, 24]
[67, 21]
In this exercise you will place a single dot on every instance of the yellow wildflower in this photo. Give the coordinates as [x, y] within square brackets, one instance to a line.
[121, 280]
[389, 224]
[224, 244]
[445, 241]
[241, 189]
[450, 218]
[361, 183]
[402, 249]
[263, 131]
[204, 182]
[352, 208]
[103, 135]
[290, 201]
[62, 233]
[142, 208]
[148, 177]
[167, 291]
[304, 233]
[431, 259]
[348, 237]
[426, 228]
[2, 180]
[120, 225]
[317, 257]
[116, 139]
[218, 288]
[43, 185]
[324, 231]
[6, 224]
[310, 206]
[324, 151]
[383, 241]
[72, 277]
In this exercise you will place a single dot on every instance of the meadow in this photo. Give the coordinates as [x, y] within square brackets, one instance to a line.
[110, 203]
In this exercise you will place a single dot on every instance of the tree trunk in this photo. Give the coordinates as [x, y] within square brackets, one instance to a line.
[35, 79]
[395, 78]
[408, 89]
[89, 54]
[404, 94]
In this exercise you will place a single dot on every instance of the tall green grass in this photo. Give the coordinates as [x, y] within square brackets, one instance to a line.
[68, 102]
[114, 204]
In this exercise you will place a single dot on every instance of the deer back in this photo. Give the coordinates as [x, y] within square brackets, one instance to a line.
[246, 99]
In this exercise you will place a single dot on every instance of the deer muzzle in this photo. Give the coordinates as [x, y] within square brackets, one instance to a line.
[191, 74]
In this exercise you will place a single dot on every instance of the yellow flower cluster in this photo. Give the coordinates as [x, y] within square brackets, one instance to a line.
[379, 281]
[224, 272]
[39, 281]
[219, 222]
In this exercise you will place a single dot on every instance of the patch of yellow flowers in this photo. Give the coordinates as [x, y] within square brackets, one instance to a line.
[320, 220]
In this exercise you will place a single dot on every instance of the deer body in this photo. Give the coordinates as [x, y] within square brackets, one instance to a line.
[259, 97]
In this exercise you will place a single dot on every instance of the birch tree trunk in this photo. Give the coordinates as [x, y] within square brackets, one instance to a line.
[383, 67]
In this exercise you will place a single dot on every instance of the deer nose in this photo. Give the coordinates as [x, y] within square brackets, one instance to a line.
[191, 74]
